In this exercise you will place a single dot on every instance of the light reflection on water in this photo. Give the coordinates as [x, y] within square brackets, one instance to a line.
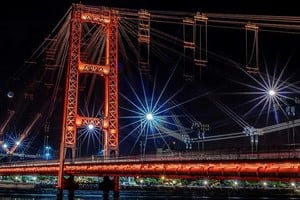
[132, 195]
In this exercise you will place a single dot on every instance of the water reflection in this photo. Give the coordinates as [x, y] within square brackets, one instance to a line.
[159, 194]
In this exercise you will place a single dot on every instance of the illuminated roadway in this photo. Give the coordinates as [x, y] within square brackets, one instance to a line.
[263, 166]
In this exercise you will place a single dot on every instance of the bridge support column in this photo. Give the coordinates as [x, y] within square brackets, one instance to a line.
[59, 194]
[71, 194]
[105, 186]
[116, 186]
[71, 186]
[68, 184]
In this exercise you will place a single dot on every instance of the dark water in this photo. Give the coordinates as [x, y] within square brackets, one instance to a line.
[138, 195]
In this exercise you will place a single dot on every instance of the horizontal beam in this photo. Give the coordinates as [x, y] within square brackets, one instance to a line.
[247, 170]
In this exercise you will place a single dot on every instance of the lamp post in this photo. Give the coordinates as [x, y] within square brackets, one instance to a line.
[201, 129]
[46, 140]
[253, 133]
[187, 141]
[148, 117]
[291, 112]
[142, 142]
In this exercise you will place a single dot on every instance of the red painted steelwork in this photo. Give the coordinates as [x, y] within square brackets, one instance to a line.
[108, 18]
[260, 170]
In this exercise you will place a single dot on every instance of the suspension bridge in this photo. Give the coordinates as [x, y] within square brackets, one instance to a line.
[120, 80]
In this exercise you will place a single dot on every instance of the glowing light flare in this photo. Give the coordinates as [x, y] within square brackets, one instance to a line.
[150, 122]
[271, 92]
[293, 184]
[89, 138]
[15, 142]
[90, 126]
[149, 116]
[265, 183]
[150, 113]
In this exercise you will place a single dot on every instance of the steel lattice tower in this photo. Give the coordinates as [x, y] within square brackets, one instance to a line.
[107, 18]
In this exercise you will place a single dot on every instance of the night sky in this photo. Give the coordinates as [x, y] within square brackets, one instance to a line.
[25, 25]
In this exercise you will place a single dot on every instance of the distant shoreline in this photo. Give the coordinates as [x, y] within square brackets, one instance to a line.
[17, 186]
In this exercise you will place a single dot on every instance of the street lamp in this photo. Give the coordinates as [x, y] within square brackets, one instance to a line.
[90, 126]
[272, 92]
[253, 133]
[201, 129]
[291, 113]
[187, 141]
[148, 117]
[291, 106]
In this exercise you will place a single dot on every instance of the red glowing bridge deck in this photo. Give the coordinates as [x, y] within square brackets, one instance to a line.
[267, 166]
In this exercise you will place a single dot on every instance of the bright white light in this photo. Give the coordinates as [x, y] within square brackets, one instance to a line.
[272, 92]
[265, 183]
[18, 143]
[293, 184]
[149, 116]
[5, 145]
[91, 126]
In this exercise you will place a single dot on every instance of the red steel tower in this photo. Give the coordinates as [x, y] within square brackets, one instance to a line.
[108, 19]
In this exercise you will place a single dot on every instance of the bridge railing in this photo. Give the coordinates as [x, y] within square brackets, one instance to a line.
[171, 157]
[193, 156]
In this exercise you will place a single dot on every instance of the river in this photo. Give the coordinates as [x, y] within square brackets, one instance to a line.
[141, 194]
